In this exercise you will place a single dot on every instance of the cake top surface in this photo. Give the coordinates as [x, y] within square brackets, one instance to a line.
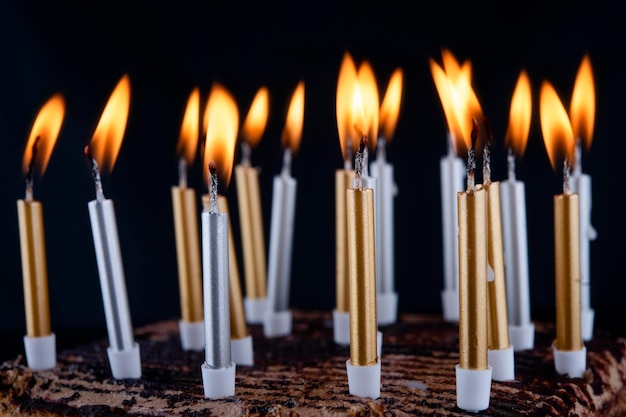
[304, 374]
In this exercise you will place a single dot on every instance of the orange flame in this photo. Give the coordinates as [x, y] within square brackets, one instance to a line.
[557, 132]
[582, 107]
[46, 127]
[107, 138]
[189, 131]
[222, 119]
[370, 103]
[255, 121]
[520, 115]
[347, 84]
[460, 103]
[292, 133]
[390, 107]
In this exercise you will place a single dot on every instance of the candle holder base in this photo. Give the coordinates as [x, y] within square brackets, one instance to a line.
[191, 335]
[218, 383]
[277, 323]
[473, 388]
[254, 309]
[341, 327]
[387, 308]
[502, 362]
[522, 337]
[242, 351]
[40, 352]
[125, 363]
[450, 304]
[570, 362]
[364, 381]
[586, 320]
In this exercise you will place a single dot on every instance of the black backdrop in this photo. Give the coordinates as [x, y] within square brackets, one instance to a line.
[168, 48]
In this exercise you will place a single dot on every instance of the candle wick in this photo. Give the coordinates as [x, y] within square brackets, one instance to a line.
[471, 157]
[245, 154]
[347, 162]
[381, 151]
[286, 162]
[578, 168]
[182, 173]
[566, 172]
[95, 173]
[30, 173]
[358, 164]
[510, 159]
[487, 152]
[213, 186]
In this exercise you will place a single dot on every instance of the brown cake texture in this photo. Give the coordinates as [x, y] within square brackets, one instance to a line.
[304, 374]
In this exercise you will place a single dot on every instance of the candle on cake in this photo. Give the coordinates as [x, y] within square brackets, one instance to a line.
[582, 115]
[222, 119]
[364, 365]
[123, 352]
[500, 353]
[473, 373]
[346, 84]
[453, 83]
[382, 170]
[250, 211]
[39, 341]
[569, 348]
[277, 321]
[514, 232]
[191, 324]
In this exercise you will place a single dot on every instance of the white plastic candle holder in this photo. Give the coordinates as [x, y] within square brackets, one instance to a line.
[522, 337]
[450, 304]
[125, 363]
[586, 320]
[254, 309]
[242, 351]
[502, 362]
[570, 362]
[364, 381]
[191, 335]
[473, 388]
[341, 327]
[387, 308]
[40, 352]
[218, 383]
[277, 323]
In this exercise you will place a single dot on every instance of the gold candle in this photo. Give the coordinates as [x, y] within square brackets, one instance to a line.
[361, 270]
[343, 180]
[567, 272]
[34, 270]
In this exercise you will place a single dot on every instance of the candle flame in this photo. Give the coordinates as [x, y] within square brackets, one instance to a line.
[582, 107]
[520, 115]
[189, 131]
[45, 131]
[459, 101]
[222, 119]
[390, 107]
[255, 121]
[557, 132]
[107, 138]
[346, 86]
[370, 102]
[292, 133]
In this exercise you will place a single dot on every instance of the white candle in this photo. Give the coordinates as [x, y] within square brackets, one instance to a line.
[123, 351]
[452, 170]
[218, 369]
[278, 317]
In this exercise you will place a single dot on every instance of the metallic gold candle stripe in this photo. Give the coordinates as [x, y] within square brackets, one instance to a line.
[343, 181]
[188, 254]
[567, 272]
[472, 279]
[238, 326]
[253, 240]
[34, 268]
[362, 276]
[498, 326]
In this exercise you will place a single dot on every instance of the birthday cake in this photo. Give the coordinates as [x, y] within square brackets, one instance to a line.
[304, 374]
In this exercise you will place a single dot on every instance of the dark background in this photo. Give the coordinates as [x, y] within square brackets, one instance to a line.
[168, 48]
